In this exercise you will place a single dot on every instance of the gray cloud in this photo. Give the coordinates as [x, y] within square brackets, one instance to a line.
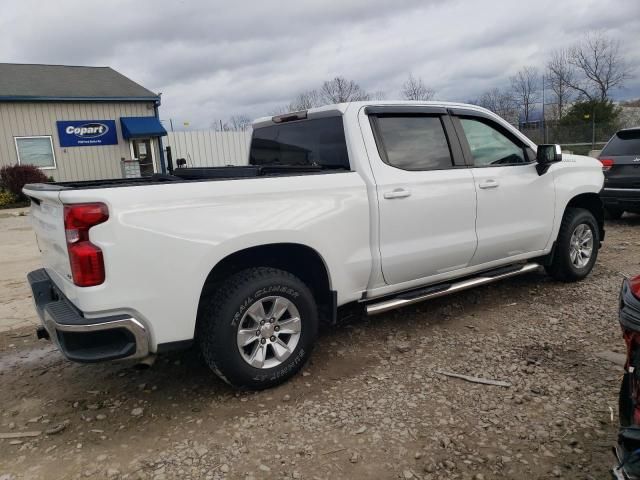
[213, 59]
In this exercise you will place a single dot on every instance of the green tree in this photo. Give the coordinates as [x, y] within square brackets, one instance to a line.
[605, 113]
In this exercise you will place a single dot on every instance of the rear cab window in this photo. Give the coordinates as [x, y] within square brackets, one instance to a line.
[307, 143]
[625, 142]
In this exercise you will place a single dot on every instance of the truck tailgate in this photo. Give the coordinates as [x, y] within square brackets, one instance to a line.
[47, 219]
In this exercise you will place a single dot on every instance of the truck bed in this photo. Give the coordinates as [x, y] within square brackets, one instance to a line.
[190, 175]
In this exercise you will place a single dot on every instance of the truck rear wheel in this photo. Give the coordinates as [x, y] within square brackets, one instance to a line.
[259, 328]
[576, 246]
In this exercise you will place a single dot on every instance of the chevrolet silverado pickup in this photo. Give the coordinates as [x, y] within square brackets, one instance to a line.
[375, 205]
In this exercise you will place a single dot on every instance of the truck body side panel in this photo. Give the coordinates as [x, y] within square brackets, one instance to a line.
[161, 241]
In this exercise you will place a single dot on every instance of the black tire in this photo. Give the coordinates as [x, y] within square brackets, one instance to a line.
[220, 316]
[561, 267]
[613, 213]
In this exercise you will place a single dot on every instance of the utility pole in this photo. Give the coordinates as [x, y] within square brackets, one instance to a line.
[593, 129]
[544, 118]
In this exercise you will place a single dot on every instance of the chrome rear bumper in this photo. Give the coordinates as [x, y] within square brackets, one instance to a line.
[83, 339]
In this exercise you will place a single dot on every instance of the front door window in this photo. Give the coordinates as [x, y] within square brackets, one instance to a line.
[142, 151]
[489, 147]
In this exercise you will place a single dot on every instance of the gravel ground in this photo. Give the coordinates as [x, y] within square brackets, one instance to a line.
[370, 404]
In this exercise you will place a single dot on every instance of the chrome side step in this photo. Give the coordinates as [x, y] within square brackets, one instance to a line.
[483, 279]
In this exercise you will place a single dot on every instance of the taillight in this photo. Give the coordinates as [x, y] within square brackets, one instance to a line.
[87, 264]
[634, 286]
[607, 163]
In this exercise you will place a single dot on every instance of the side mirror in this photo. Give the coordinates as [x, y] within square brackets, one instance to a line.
[547, 155]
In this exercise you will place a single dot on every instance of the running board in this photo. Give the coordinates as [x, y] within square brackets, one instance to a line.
[404, 299]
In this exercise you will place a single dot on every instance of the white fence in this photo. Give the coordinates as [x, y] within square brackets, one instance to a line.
[208, 148]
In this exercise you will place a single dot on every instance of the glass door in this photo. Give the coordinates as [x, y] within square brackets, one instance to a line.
[142, 150]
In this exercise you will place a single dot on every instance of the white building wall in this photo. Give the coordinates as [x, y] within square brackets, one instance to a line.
[208, 148]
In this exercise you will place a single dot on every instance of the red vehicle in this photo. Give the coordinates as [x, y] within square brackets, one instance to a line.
[628, 449]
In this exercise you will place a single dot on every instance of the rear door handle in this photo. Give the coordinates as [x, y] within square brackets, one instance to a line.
[490, 183]
[397, 193]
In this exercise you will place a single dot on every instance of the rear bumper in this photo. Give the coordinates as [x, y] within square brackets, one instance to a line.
[82, 339]
[623, 198]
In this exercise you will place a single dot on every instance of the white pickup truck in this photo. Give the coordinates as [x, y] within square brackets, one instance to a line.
[372, 204]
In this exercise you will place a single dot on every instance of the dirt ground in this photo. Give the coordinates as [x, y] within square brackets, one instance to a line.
[18, 256]
[370, 404]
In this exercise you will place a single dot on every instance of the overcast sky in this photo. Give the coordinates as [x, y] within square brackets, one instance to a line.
[214, 59]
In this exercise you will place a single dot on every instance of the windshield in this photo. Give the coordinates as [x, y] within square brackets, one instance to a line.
[318, 142]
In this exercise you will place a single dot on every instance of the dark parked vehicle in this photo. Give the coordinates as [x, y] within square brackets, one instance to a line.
[628, 448]
[620, 159]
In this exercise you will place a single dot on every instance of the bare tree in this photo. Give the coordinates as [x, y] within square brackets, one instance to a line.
[236, 123]
[305, 101]
[600, 66]
[525, 87]
[338, 90]
[281, 110]
[341, 90]
[415, 89]
[240, 123]
[560, 75]
[500, 102]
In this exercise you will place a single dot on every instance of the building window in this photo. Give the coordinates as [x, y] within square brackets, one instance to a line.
[36, 151]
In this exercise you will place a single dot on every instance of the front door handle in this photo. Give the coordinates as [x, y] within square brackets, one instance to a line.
[490, 183]
[397, 193]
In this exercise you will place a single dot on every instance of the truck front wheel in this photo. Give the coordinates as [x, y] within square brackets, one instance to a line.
[576, 247]
[258, 329]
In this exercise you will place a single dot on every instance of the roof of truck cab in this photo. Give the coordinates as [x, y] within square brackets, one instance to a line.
[341, 108]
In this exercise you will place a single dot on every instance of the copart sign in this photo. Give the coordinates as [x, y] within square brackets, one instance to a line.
[87, 133]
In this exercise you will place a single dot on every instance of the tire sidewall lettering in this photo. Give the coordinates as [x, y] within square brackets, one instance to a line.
[282, 370]
[261, 293]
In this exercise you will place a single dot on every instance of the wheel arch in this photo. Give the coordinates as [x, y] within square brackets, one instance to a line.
[592, 202]
[300, 260]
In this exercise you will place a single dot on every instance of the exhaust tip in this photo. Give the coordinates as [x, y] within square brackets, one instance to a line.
[42, 333]
[146, 362]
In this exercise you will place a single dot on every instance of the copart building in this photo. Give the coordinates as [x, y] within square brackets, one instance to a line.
[78, 123]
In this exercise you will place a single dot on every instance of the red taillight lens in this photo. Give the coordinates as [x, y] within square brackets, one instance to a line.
[634, 285]
[87, 264]
[607, 163]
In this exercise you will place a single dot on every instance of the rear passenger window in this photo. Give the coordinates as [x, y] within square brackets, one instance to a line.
[413, 142]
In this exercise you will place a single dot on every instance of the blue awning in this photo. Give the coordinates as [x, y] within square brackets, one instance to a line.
[139, 127]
